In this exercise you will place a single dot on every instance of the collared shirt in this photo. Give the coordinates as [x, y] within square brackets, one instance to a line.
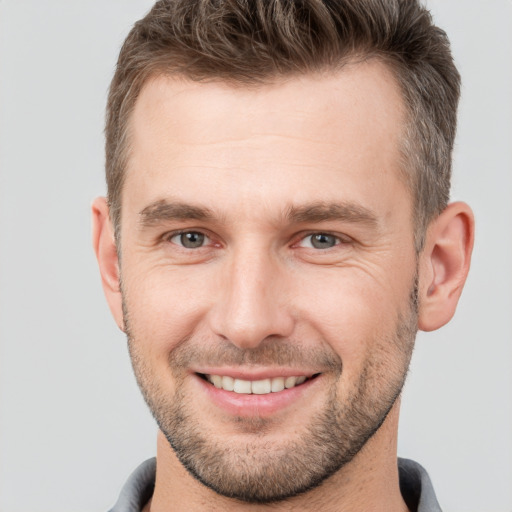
[415, 486]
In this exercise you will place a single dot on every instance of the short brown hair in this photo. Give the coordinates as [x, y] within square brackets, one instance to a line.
[253, 42]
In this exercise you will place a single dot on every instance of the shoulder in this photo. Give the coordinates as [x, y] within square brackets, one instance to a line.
[138, 489]
[416, 487]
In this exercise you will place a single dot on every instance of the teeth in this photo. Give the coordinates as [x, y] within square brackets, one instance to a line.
[290, 382]
[242, 386]
[277, 384]
[256, 387]
[261, 387]
[228, 383]
[216, 380]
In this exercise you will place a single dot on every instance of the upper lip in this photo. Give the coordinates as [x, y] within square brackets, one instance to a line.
[255, 373]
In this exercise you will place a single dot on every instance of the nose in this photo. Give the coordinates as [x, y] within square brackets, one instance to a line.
[252, 301]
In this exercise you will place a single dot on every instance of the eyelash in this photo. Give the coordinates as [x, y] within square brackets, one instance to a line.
[338, 240]
[169, 236]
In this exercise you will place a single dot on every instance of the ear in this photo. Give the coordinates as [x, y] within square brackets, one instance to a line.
[104, 244]
[444, 265]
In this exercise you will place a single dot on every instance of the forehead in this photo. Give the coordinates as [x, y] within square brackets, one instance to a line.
[302, 132]
[366, 93]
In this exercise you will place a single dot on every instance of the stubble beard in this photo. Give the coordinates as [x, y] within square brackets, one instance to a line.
[262, 471]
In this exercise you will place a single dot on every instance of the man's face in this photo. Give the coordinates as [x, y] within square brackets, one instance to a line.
[266, 235]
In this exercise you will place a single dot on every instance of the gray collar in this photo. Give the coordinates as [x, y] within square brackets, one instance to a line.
[415, 486]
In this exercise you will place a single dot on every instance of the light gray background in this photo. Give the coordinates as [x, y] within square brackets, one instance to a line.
[72, 423]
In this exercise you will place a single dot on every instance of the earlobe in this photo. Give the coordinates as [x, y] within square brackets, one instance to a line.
[104, 245]
[444, 265]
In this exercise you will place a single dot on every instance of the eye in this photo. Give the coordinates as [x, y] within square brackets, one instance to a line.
[320, 241]
[190, 239]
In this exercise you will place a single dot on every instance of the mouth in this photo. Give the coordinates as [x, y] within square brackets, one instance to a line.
[256, 387]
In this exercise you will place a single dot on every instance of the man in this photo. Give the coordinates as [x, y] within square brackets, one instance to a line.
[277, 228]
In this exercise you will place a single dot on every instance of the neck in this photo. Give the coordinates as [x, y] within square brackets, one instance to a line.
[369, 482]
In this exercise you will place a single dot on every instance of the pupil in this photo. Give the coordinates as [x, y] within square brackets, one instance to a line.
[323, 241]
[191, 240]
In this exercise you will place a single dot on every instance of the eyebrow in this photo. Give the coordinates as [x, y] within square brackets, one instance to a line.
[162, 210]
[320, 212]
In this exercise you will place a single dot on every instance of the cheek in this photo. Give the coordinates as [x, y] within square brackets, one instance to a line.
[165, 306]
[355, 313]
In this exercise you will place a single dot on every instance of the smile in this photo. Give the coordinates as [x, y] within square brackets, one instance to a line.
[255, 387]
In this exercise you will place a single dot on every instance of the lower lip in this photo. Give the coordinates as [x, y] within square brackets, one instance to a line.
[239, 404]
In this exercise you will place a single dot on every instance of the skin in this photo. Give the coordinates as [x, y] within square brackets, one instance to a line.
[248, 157]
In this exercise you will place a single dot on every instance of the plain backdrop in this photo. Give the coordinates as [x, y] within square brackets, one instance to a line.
[72, 422]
